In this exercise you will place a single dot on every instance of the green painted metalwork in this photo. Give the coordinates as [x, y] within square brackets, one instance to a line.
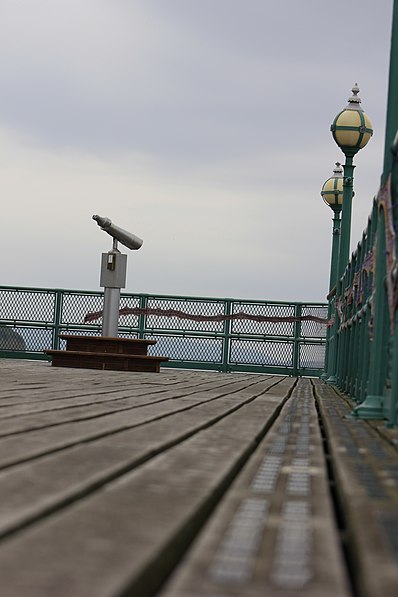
[345, 234]
[297, 334]
[329, 354]
[227, 333]
[217, 337]
[335, 249]
[363, 342]
[141, 321]
[57, 318]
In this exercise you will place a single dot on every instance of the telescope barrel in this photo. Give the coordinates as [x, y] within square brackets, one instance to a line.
[129, 240]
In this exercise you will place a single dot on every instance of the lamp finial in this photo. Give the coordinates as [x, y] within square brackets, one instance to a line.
[354, 100]
[338, 170]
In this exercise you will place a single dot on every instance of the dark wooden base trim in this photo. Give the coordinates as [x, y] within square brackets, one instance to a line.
[105, 361]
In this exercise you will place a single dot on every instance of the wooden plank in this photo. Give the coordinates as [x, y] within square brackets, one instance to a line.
[27, 445]
[129, 535]
[52, 391]
[139, 399]
[274, 533]
[366, 472]
[50, 482]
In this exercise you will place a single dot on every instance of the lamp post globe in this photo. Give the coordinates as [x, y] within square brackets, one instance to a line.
[352, 127]
[332, 190]
[351, 130]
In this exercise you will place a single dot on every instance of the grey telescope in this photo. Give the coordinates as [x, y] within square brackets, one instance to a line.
[127, 239]
[113, 273]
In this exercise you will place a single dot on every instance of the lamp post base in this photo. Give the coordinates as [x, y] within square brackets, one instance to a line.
[332, 380]
[371, 408]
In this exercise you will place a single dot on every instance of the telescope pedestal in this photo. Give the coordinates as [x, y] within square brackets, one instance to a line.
[110, 318]
[113, 278]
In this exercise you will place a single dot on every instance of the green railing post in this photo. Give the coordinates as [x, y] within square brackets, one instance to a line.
[391, 164]
[333, 348]
[341, 356]
[226, 337]
[57, 318]
[392, 413]
[358, 384]
[372, 407]
[297, 340]
[142, 317]
[325, 373]
[392, 103]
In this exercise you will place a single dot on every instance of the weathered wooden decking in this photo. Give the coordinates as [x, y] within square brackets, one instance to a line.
[187, 484]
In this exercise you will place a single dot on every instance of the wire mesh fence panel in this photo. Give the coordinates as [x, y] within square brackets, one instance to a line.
[189, 315]
[312, 356]
[128, 335]
[314, 329]
[27, 305]
[11, 338]
[81, 309]
[258, 327]
[205, 350]
[30, 339]
[256, 352]
[127, 316]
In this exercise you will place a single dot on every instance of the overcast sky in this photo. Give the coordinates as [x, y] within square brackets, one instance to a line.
[202, 126]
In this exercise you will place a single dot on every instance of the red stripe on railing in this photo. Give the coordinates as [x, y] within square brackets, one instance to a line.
[216, 318]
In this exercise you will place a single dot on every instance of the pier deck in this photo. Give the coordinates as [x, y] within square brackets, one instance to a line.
[185, 484]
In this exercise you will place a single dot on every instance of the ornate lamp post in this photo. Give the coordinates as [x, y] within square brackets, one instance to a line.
[351, 130]
[332, 194]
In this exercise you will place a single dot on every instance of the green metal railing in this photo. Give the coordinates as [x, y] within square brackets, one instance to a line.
[204, 333]
[362, 351]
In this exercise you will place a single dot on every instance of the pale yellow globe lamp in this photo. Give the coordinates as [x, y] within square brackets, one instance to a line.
[351, 129]
[332, 190]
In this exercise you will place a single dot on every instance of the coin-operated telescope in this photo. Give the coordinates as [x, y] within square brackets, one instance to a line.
[113, 272]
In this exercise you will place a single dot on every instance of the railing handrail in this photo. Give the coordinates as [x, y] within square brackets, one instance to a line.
[161, 295]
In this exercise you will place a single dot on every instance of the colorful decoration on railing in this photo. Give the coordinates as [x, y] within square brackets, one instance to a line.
[385, 203]
[367, 268]
[216, 318]
[367, 264]
[339, 308]
[355, 292]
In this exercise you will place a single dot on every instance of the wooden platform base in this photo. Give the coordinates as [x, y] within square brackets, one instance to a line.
[111, 354]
